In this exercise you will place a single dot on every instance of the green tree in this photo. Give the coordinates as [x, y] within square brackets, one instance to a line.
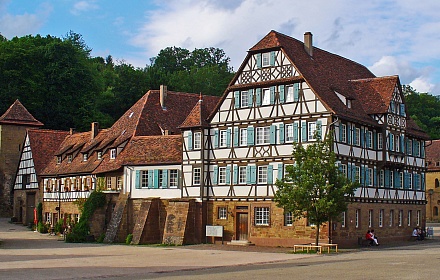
[314, 187]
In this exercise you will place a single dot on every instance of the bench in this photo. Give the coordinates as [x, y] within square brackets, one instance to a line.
[328, 246]
[364, 242]
[307, 247]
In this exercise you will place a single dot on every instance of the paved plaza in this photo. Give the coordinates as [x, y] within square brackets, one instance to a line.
[25, 254]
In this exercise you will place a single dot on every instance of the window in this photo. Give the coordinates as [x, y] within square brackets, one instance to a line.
[109, 183]
[357, 218]
[289, 94]
[381, 178]
[223, 137]
[266, 59]
[48, 216]
[409, 147]
[409, 217]
[344, 169]
[174, 179]
[397, 143]
[343, 133]
[312, 129]
[112, 153]
[379, 141]
[262, 174]
[358, 137]
[263, 135]
[144, 179]
[59, 158]
[244, 99]
[288, 219]
[358, 174]
[400, 218]
[391, 218]
[197, 140]
[242, 174]
[418, 217]
[196, 176]
[391, 179]
[370, 176]
[289, 132]
[222, 175]
[370, 218]
[401, 179]
[85, 157]
[343, 219]
[381, 218]
[261, 216]
[69, 158]
[369, 139]
[99, 155]
[266, 97]
[243, 136]
[222, 213]
[410, 181]
[119, 183]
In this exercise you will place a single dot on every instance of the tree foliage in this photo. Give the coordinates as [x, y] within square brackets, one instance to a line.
[424, 109]
[313, 187]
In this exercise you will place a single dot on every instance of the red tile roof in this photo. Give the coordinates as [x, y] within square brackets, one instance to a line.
[200, 113]
[433, 155]
[17, 114]
[44, 143]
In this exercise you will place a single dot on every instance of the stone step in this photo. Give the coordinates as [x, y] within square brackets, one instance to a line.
[240, 243]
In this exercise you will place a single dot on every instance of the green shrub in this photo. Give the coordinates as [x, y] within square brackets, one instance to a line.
[40, 212]
[129, 239]
[42, 228]
[58, 228]
[101, 238]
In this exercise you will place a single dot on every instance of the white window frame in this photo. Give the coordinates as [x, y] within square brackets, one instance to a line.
[400, 218]
[370, 218]
[357, 217]
[289, 93]
[343, 219]
[289, 133]
[222, 138]
[119, 183]
[262, 216]
[397, 143]
[262, 174]
[99, 155]
[59, 159]
[410, 180]
[222, 175]
[242, 175]
[379, 141]
[85, 157]
[418, 217]
[358, 136]
[410, 150]
[358, 173]
[381, 213]
[244, 99]
[144, 179]
[370, 176]
[391, 218]
[243, 137]
[288, 219]
[311, 128]
[69, 158]
[197, 140]
[222, 213]
[263, 135]
[370, 139]
[265, 96]
[197, 175]
[173, 178]
[112, 153]
[392, 179]
[265, 59]
[344, 133]
[382, 178]
[344, 169]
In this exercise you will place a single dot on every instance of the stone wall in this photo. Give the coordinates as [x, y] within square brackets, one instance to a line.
[21, 204]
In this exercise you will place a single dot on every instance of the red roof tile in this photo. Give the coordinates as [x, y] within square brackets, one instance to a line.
[17, 114]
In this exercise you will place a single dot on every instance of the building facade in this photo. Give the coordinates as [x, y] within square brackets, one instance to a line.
[432, 180]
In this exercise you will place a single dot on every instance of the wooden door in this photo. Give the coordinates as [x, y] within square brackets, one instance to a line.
[242, 226]
[30, 206]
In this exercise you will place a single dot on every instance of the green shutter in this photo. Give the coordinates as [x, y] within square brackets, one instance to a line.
[319, 128]
[228, 137]
[164, 182]
[375, 140]
[190, 141]
[253, 174]
[296, 92]
[137, 182]
[228, 175]
[151, 178]
[273, 131]
[303, 131]
[362, 137]
[375, 177]
[423, 181]
[216, 138]
[270, 175]
[280, 171]
[215, 175]
[281, 133]
[236, 137]
[258, 97]
[282, 94]
[250, 136]
[340, 132]
[258, 56]
[272, 58]
[295, 132]
[272, 95]
[237, 99]
[248, 175]
[235, 175]
[354, 136]
[349, 133]
[387, 178]
[250, 98]
[156, 179]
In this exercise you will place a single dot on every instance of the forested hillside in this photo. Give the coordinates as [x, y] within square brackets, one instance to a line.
[59, 82]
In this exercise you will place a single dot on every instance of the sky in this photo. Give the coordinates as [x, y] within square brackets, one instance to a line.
[390, 37]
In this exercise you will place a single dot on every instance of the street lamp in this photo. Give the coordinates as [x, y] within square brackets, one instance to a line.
[430, 192]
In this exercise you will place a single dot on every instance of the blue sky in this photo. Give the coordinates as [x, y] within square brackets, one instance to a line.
[390, 37]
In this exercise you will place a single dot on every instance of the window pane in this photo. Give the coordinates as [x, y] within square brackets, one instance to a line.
[261, 216]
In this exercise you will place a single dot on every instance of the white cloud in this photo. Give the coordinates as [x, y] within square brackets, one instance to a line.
[19, 25]
[421, 84]
[84, 6]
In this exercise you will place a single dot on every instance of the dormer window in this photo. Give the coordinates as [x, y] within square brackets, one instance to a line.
[69, 158]
[99, 155]
[112, 153]
[59, 159]
[85, 157]
[348, 103]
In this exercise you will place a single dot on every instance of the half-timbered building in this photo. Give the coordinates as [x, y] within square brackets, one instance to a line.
[284, 92]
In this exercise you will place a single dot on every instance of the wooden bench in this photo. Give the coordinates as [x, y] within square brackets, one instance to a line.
[307, 247]
[364, 242]
[328, 246]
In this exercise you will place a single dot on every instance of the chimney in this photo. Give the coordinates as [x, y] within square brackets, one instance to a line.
[71, 131]
[95, 129]
[308, 44]
[163, 96]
